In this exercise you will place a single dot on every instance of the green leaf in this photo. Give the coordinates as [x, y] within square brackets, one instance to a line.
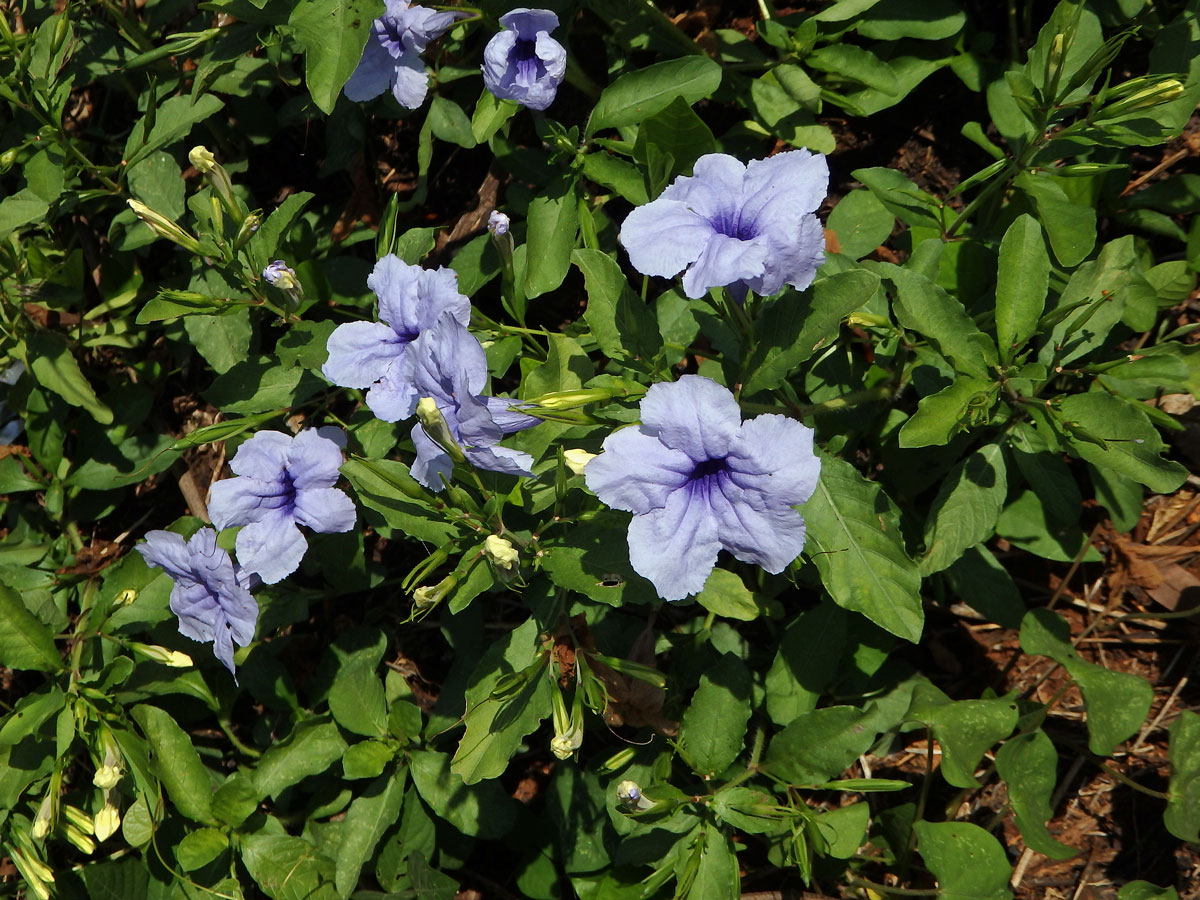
[713, 729]
[176, 764]
[903, 199]
[366, 759]
[30, 713]
[288, 868]
[1022, 278]
[1116, 702]
[623, 325]
[1070, 226]
[55, 368]
[1133, 445]
[356, 698]
[553, 223]
[637, 95]
[333, 34]
[236, 800]
[158, 182]
[25, 643]
[927, 20]
[806, 662]
[861, 223]
[964, 729]
[200, 847]
[497, 725]
[1182, 815]
[481, 810]
[369, 816]
[845, 829]
[490, 115]
[621, 176]
[386, 486]
[797, 325]
[855, 542]
[717, 875]
[1144, 890]
[259, 384]
[223, 341]
[171, 304]
[678, 131]
[966, 508]
[448, 122]
[743, 808]
[943, 415]
[925, 308]
[726, 595]
[969, 863]
[820, 744]
[851, 63]
[19, 209]
[1028, 763]
[312, 747]
[985, 585]
[173, 120]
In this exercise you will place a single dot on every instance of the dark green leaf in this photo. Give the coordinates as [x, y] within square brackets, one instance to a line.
[1028, 763]
[1182, 816]
[553, 224]
[640, 94]
[621, 322]
[713, 730]
[1022, 277]
[964, 729]
[25, 643]
[966, 507]
[176, 763]
[333, 34]
[969, 863]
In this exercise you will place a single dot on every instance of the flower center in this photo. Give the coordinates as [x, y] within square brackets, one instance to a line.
[729, 223]
[280, 494]
[707, 474]
[529, 67]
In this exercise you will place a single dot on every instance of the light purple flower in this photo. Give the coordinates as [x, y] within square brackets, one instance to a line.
[211, 595]
[448, 364]
[523, 63]
[371, 354]
[282, 482]
[745, 227]
[697, 479]
[498, 223]
[281, 275]
[392, 56]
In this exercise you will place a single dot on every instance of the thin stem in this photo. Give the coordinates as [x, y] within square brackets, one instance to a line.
[885, 889]
[1129, 782]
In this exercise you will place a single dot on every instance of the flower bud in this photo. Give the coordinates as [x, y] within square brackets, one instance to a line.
[36, 874]
[79, 819]
[81, 841]
[164, 227]
[7, 159]
[126, 596]
[618, 760]
[107, 821]
[629, 794]
[498, 223]
[500, 552]
[281, 275]
[107, 777]
[568, 728]
[42, 821]
[173, 658]
[1154, 95]
[577, 459]
[202, 158]
[435, 426]
[249, 226]
[425, 598]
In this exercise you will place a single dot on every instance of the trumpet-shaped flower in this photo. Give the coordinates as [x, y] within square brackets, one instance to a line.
[282, 482]
[523, 63]
[392, 56]
[446, 363]
[371, 354]
[211, 595]
[747, 227]
[697, 479]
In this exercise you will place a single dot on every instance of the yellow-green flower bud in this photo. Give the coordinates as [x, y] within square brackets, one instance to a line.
[500, 552]
[164, 227]
[44, 818]
[107, 821]
[76, 836]
[173, 658]
[577, 459]
[435, 426]
[425, 598]
[202, 158]
[629, 794]
[107, 777]
[126, 596]
[1154, 95]
[79, 818]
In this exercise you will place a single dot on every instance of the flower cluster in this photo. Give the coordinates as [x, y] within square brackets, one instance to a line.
[698, 479]
[745, 227]
[419, 349]
[392, 56]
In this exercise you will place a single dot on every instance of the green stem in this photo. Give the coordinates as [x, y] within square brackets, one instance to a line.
[900, 892]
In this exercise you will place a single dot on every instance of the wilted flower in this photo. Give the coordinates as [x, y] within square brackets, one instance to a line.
[629, 794]
[202, 158]
[523, 63]
[392, 56]
[577, 459]
[281, 275]
[371, 354]
[498, 223]
[746, 227]
[500, 552]
[698, 479]
[282, 482]
[211, 595]
[107, 821]
[447, 364]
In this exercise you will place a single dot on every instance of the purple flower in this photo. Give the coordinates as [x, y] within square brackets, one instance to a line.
[747, 227]
[282, 482]
[447, 364]
[523, 63]
[371, 354]
[498, 223]
[697, 479]
[211, 595]
[392, 55]
[281, 275]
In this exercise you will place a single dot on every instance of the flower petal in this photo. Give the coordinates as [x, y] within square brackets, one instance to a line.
[316, 457]
[325, 510]
[509, 420]
[410, 83]
[432, 461]
[663, 237]
[167, 551]
[725, 260]
[636, 472]
[783, 188]
[770, 535]
[393, 397]
[394, 282]
[676, 546]
[501, 459]
[773, 456]
[713, 190]
[793, 257]
[272, 547]
[373, 75]
[495, 62]
[263, 456]
[553, 54]
[242, 500]
[528, 22]
[360, 353]
[694, 414]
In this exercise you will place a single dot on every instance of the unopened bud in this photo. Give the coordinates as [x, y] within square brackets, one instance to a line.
[126, 596]
[425, 598]
[1054, 61]
[42, 821]
[629, 794]
[437, 429]
[500, 552]
[173, 658]
[498, 223]
[281, 275]
[571, 399]
[164, 227]
[568, 727]
[107, 777]
[577, 459]
[618, 760]
[79, 819]
[7, 159]
[1154, 95]
[76, 837]
[106, 822]
[249, 226]
[202, 158]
